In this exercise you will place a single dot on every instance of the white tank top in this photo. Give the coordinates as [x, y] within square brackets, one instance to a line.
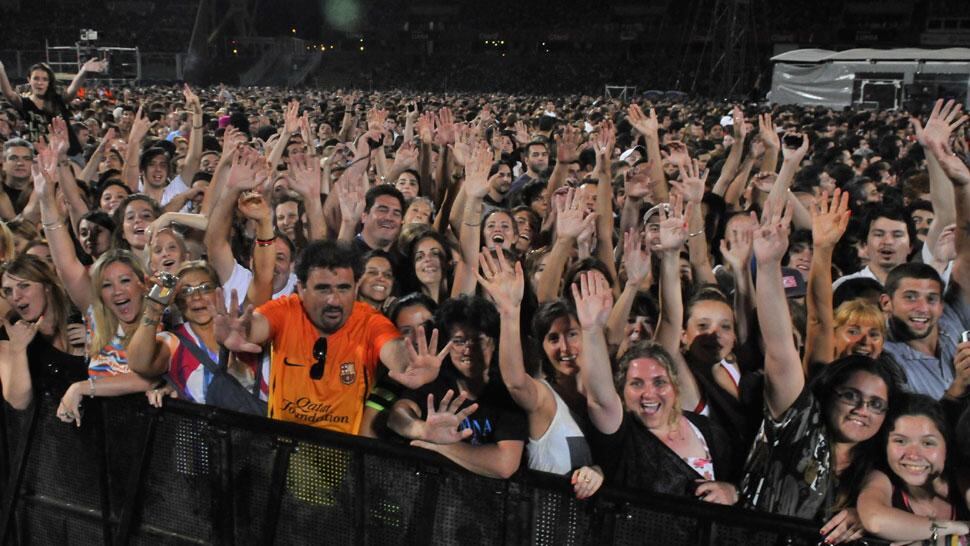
[563, 447]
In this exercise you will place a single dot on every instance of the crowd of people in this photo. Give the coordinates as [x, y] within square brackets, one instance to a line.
[636, 294]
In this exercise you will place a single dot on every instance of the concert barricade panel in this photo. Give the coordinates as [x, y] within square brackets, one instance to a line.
[189, 474]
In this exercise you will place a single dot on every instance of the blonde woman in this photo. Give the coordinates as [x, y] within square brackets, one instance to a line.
[112, 294]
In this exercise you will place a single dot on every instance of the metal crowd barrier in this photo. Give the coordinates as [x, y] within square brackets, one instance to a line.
[190, 474]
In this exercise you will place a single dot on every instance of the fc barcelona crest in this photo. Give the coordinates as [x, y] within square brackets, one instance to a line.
[348, 373]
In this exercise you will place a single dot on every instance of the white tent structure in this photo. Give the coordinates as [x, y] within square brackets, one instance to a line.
[870, 78]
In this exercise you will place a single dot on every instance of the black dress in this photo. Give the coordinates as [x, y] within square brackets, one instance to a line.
[50, 368]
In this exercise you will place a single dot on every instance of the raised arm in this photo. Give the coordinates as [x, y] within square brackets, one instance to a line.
[730, 168]
[567, 152]
[194, 156]
[784, 379]
[673, 234]
[469, 240]
[829, 222]
[148, 355]
[569, 224]
[941, 196]
[59, 142]
[305, 180]
[736, 251]
[772, 144]
[8, 91]
[606, 141]
[789, 167]
[691, 186]
[15, 380]
[139, 129]
[72, 273]
[90, 171]
[939, 128]
[636, 259]
[649, 127]
[92, 65]
[506, 284]
[593, 302]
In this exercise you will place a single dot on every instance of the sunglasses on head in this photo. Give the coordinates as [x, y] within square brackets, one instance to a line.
[319, 353]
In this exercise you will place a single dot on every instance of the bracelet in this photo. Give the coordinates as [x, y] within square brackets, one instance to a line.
[199, 127]
[472, 225]
[58, 224]
[266, 242]
[91, 381]
[934, 530]
[696, 233]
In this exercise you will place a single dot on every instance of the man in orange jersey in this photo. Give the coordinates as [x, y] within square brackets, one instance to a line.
[325, 346]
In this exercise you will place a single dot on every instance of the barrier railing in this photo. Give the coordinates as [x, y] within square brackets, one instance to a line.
[190, 474]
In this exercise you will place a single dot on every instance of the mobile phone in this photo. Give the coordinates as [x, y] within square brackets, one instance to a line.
[965, 336]
[793, 141]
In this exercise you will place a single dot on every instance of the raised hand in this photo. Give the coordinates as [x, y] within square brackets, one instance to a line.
[692, 183]
[829, 218]
[604, 143]
[771, 236]
[571, 218]
[636, 257]
[291, 117]
[441, 424]
[594, 300]
[739, 127]
[476, 172]
[445, 134]
[376, 118]
[232, 326]
[637, 183]
[764, 181]
[503, 281]
[673, 224]
[248, 170]
[305, 176]
[944, 119]
[44, 172]
[57, 137]
[423, 364]
[768, 133]
[796, 154]
[94, 65]
[567, 146]
[20, 333]
[350, 196]
[522, 135]
[191, 100]
[139, 127]
[645, 125]
[406, 157]
[425, 128]
[736, 247]
[252, 205]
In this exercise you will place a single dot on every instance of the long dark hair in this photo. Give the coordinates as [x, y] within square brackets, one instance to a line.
[912, 404]
[864, 454]
[52, 99]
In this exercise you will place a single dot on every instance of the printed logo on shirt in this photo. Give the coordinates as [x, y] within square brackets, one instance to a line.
[307, 411]
[348, 373]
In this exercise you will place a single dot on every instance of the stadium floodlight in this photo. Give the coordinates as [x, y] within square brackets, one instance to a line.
[88, 35]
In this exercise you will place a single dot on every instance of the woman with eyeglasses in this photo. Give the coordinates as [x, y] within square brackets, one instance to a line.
[153, 354]
[913, 495]
[39, 350]
[815, 446]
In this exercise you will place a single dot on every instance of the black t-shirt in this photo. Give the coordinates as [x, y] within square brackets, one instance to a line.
[497, 418]
[634, 457]
[38, 119]
[50, 368]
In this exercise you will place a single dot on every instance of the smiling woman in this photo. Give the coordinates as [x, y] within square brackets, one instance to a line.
[913, 496]
[39, 350]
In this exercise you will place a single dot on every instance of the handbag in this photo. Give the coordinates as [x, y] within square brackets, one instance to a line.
[224, 391]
